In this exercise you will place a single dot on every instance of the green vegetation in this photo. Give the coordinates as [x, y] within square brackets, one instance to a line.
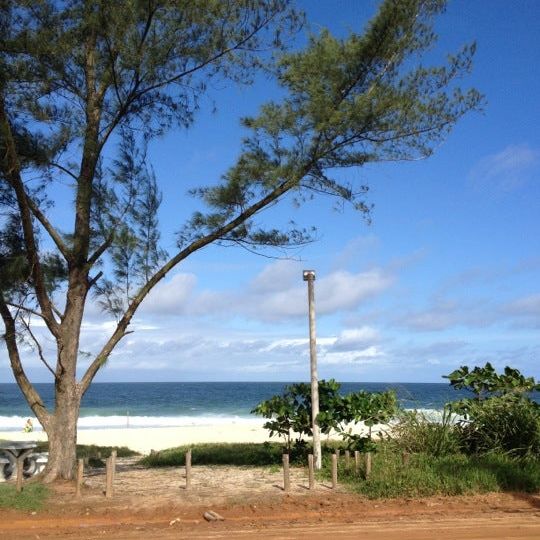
[454, 474]
[32, 497]
[489, 442]
[500, 416]
[423, 475]
[415, 433]
[290, 413]
[218, 454]
[92, 451]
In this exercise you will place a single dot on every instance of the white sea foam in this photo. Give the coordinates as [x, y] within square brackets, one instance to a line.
[16, 423]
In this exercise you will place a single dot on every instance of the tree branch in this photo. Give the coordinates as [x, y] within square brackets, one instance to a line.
[121, 328]
[27, 309]
[53, 233]
[11, 168]
[32, 396]
[38, 346]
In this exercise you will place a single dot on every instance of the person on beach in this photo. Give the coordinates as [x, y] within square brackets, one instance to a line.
[28, 427]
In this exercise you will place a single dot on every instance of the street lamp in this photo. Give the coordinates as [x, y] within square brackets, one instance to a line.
[309, 276]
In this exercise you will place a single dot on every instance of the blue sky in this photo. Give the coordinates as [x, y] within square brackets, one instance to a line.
[447, 273]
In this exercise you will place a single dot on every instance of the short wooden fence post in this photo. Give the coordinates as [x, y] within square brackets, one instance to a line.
[188, 469]
[368, 464]
[109, 478]
[80, 473]
[334, 470]
[356, 461]
[347, 459]
[286, 473]
[311, 471]
[113, 460]
[20, 467]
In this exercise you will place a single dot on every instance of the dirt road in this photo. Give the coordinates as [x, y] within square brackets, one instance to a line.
[153, 504]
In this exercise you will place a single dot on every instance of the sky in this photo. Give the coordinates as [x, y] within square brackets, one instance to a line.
[446, 274]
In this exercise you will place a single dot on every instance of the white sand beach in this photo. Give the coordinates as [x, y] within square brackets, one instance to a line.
[145, 439]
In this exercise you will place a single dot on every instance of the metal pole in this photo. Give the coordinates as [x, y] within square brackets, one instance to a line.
[309, 276]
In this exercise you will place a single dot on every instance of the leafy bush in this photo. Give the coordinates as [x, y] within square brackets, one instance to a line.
[500, 416]
[291, 412]
[371, 408]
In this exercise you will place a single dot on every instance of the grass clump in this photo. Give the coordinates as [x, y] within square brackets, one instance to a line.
[218, 454]
[32, 497]
[92, 451]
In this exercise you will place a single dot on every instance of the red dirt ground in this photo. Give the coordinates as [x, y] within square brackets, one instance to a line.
[155, 504]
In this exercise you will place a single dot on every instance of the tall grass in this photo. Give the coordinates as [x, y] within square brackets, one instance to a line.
[415, 433]
[451, 474]
[507, 424]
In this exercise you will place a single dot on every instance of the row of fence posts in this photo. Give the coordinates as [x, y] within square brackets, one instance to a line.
[334, 475]
[111, 470]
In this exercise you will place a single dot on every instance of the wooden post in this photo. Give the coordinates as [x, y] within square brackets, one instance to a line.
[334, 470]
[347, 459]
[80, 473]
[188, 469]
[309, 276]
[311, 472]
[368, 464]
[356, 461]
[20, 467]
[109, 479]
[113, 463]
[337, 452]
[286, 473]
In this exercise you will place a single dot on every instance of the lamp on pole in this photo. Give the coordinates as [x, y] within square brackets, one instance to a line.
[309, 276]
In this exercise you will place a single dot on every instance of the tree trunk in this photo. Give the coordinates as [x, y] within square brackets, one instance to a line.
[62, 434]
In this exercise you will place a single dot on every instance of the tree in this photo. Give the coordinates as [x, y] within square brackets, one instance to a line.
[290, 412]
[78, 77]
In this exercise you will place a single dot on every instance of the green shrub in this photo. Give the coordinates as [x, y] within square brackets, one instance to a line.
[508, 424]
[415, 433]
[501, 417]
[92, 451]
[218, 454]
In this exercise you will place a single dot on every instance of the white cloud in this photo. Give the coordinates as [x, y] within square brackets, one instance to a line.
[171, 297]
[353, 339]
[276, 293]
[506, 170]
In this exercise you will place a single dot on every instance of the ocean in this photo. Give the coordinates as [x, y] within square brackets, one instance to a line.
[113, 405]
